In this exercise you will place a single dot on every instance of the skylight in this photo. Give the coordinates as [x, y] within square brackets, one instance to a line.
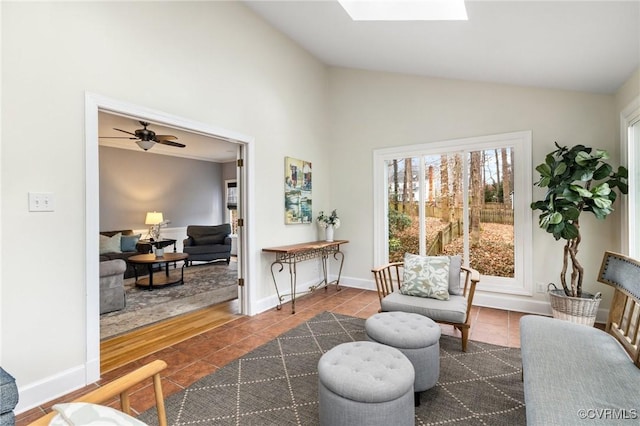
[405, 10]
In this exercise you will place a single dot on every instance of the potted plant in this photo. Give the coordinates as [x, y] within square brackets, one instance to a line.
[578, 179]
[328, 223]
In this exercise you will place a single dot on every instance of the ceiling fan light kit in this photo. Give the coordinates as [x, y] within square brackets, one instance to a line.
[145, 144]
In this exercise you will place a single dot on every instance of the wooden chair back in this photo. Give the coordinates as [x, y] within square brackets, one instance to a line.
[623, 274]
[121, 387]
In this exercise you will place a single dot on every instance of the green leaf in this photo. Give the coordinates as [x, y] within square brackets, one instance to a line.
[601, 213]
[602, 172]
[583, 175]
[562, 167]
[583, 192]
[570, 232]
[544, 170]
[582, 158]
[571, 213]
[544, 220]
[601, 190]
[623, 187]
[601, 154]
[572, 196]
[623, 172]
[555, 218]
[602, 203]
[557, 229]
[549, 160]
[543, 182]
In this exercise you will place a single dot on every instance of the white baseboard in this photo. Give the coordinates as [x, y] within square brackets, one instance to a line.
[52, 387]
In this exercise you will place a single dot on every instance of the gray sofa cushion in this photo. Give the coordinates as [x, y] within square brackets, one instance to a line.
[452, 310]
[112, 294]
[571, 367]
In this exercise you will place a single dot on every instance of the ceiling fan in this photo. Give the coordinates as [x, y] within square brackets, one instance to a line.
[146, 138]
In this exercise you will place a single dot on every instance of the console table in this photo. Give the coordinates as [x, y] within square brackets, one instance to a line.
[292, 254]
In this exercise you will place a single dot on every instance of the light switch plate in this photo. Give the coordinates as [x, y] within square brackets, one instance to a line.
[41, 202]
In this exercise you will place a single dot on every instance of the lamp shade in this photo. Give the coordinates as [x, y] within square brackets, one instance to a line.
[153, 218]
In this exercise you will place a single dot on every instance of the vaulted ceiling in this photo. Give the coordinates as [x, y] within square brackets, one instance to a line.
[591, 46]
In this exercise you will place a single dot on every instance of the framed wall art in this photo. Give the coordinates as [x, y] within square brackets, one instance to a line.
[297, 191]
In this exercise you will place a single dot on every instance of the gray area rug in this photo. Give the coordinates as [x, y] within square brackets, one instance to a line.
[276, 384]
[204, 285]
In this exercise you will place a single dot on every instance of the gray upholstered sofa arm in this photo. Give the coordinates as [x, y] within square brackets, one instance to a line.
[112, 267]
[112, 294]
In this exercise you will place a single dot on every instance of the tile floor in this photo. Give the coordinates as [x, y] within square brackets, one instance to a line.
[201, 355]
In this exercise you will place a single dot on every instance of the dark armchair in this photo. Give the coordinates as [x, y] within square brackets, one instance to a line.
[207, 243]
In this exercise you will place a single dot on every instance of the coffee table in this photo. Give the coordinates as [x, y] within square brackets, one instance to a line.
[159, 279]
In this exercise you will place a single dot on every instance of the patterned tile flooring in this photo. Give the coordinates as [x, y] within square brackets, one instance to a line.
[203, 354]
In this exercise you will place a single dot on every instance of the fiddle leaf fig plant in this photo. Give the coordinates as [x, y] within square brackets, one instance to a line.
[578, 179]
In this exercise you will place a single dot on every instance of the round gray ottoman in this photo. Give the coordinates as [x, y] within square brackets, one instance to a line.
[365, 383]
[416, 336]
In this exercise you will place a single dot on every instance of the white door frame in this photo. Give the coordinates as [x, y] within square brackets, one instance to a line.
[94, 103]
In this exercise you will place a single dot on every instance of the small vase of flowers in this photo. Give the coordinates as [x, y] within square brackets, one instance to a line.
[328, 223]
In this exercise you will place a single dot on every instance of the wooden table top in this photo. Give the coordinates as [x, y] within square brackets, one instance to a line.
[151, 258]
[312, 245]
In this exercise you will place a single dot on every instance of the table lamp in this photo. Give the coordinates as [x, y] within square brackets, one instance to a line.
[154, 219]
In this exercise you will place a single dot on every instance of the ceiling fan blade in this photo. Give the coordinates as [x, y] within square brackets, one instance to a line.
[116, 137]
[166, 137]
[120, 130]
[171, 143]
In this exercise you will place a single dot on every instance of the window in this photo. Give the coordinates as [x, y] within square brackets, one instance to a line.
[231, 196]
[468, 197]
[630, 137]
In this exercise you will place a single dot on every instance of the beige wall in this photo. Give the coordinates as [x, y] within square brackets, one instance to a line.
[212, 62]
[185, 190]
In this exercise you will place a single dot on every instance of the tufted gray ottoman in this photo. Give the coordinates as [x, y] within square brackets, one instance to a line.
[417, 337]
[365, 383]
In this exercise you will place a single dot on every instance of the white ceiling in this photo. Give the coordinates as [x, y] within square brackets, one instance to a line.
[198, 147]
[591, 46]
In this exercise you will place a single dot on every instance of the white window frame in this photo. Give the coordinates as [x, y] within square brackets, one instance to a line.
[630, 157]
[522, 282]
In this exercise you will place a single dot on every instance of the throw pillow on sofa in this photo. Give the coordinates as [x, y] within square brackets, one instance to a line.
[128, 242]
[110, 244]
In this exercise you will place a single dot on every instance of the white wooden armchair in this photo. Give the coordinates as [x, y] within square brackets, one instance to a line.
[121, 387]
[456, 311]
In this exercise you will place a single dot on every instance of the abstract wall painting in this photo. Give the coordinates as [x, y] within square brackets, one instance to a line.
[297, 191]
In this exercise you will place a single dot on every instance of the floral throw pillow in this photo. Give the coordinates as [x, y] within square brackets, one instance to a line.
[426, 276]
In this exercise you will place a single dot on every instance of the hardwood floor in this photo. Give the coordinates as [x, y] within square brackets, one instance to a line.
[121, 350]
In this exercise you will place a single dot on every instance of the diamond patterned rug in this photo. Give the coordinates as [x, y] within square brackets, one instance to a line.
[276, 384]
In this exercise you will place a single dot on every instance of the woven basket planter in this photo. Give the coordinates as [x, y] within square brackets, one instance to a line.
[579, 310]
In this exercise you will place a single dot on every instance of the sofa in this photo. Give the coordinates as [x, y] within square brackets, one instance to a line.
[575, 373]
[123, 247]
[112, 295]
[208, 242]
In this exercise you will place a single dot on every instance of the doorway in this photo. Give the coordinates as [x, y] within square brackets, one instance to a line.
[95, 104]
[184, 182]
